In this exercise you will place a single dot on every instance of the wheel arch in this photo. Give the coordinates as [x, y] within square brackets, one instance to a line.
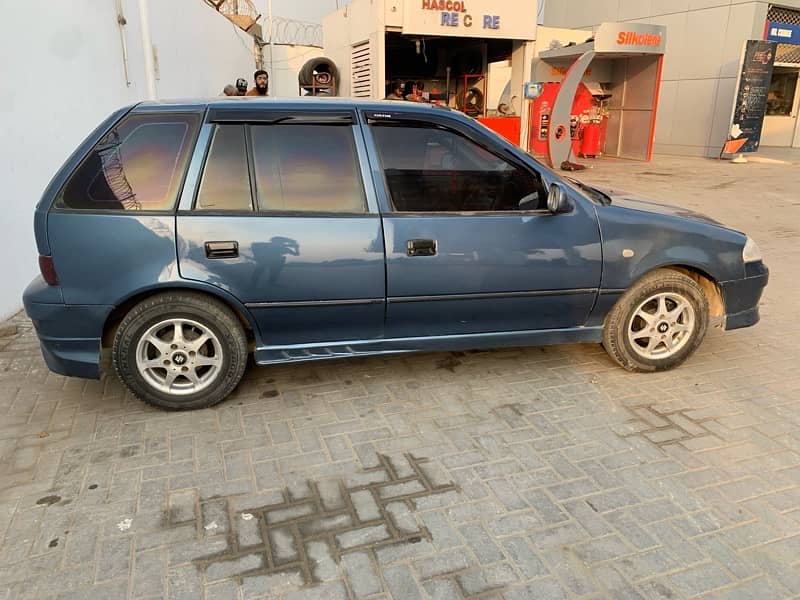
[617, 320]
[709, 285]
[122, 308]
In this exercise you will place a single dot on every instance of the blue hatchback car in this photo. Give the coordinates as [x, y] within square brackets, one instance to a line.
[185, 236]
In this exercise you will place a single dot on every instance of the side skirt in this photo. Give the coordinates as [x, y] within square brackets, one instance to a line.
[267, 355]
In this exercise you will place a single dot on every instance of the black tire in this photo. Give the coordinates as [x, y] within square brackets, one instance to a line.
[472, 104]
[228, 346]
[624, 317]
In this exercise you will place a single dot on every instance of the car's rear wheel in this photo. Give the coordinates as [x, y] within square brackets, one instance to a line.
[658, 323]
[180, 351]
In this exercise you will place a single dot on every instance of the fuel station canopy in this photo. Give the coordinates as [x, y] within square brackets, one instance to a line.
[621, 64]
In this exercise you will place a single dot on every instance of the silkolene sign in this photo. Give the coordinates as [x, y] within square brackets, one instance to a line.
[631, 38]
[453, 13]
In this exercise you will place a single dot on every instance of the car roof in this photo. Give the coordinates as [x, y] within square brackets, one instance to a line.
[237, 102]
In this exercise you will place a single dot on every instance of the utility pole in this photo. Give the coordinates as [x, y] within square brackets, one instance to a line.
[271, 49]
[147, 49]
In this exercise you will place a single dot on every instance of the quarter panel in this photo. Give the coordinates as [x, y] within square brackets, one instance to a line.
[101, 258]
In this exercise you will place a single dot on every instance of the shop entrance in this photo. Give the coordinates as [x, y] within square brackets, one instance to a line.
[783, 102]
[468, 74]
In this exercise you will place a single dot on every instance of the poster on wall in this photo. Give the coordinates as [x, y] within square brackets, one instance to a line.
[750, 103]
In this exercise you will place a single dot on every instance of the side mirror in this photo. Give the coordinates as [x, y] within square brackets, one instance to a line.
[556, 199]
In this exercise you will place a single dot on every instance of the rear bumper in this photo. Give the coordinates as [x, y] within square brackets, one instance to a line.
[742, 295]
[68, 335]
[73, 357]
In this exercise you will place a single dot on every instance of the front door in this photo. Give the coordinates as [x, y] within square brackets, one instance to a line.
[282, 222]
[470, 247]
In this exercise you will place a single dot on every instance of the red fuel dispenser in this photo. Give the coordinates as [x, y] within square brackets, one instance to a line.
[585, 116]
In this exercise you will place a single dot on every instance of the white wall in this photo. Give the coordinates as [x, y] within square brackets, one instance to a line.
[359, 21]
[701, 64]
[199, 50]
[66, 75]
[499, 76]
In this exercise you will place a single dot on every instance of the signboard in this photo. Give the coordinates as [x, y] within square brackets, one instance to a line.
[636, 38]
[783, 33]
[750, 103]
[506, 19]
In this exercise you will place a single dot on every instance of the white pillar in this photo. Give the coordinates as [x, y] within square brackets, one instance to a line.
[273, 79]
[147, 49]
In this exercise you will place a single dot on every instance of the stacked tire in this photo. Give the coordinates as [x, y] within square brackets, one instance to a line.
[318, 77]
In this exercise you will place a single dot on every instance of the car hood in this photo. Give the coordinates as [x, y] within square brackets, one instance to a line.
[629, 201]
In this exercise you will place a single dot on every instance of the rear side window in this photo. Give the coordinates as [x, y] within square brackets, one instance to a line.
[307, 168]
[226, 179]
[138, 165]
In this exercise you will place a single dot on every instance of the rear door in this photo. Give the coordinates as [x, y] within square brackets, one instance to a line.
[281, 219]
[470, 245]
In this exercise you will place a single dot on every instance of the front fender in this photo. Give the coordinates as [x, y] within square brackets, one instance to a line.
[636, 242]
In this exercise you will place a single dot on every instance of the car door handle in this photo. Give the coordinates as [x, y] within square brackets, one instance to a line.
[421, 247]
[222, 249]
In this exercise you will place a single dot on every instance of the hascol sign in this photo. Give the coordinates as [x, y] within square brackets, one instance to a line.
[453, 13]
[509, 19]
[448, 5]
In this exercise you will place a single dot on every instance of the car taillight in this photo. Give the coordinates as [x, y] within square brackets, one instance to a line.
[48, 270]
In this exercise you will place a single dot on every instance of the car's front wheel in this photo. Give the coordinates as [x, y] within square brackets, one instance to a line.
[657, 323]
[180, 351]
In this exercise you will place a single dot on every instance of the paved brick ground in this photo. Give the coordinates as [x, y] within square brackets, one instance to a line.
[526, 473]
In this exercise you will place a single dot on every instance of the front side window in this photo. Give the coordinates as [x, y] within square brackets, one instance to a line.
[226, 180]
[307, 168]
[138, 165]
[431, 169]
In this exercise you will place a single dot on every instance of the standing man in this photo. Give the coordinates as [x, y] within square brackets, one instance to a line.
[241, 86]
[262, 84]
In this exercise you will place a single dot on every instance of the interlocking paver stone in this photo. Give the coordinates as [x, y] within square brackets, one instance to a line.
[361, 574]
[365, 535]
[401, 583]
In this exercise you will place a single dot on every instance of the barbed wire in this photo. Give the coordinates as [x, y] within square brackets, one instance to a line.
[293, 32]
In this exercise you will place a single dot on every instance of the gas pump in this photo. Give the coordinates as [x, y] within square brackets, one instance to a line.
[587, 123]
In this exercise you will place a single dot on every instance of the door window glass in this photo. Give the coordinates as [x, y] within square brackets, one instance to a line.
[780, 98]
[437, 170]
[226, 180]
[307, 168]
[138, 165]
